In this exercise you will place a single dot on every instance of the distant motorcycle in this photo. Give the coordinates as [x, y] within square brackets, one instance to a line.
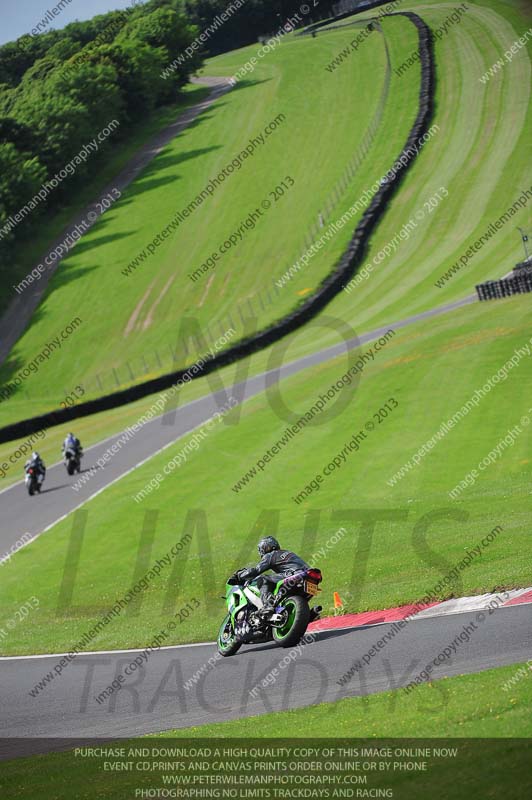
[285, 626]
[32, 481]
[72, 461]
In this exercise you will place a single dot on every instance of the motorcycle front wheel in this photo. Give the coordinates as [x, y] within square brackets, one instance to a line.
[295, 626]
[227, 641]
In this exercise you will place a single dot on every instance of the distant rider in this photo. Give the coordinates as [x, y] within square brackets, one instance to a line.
[72, 443]
[38, 464]
[283, 562]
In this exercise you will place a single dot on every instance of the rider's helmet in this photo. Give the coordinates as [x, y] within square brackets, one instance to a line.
[267, 544]
[35, 456]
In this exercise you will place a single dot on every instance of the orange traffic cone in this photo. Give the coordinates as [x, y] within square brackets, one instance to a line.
[337, 601]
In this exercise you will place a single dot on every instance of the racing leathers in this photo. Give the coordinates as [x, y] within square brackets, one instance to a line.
[38, 465]
[282, 562]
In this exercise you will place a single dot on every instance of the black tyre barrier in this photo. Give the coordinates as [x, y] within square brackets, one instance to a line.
[331, 285]
[516, 284]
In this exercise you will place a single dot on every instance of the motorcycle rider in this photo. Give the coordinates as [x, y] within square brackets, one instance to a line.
[38, 464]
[72, 443]
[282, 562]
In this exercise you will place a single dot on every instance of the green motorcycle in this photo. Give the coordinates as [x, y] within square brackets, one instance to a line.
[286, 624]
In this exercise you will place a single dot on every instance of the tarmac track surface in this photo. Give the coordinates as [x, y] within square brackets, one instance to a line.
[155, 697]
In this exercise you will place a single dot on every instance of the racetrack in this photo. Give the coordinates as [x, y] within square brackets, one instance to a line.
[172, 687]
[21, 514]
[155, 699]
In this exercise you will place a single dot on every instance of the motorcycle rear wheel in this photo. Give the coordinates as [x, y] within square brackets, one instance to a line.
[296, 625]
[227, 641]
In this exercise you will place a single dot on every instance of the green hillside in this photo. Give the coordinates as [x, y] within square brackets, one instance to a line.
[317, 120]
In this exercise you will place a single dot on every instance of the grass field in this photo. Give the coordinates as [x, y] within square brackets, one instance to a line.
[309, 144]
[480, 157]
[459, 707]
[415, 361]
[388, 566]
[421, 377]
